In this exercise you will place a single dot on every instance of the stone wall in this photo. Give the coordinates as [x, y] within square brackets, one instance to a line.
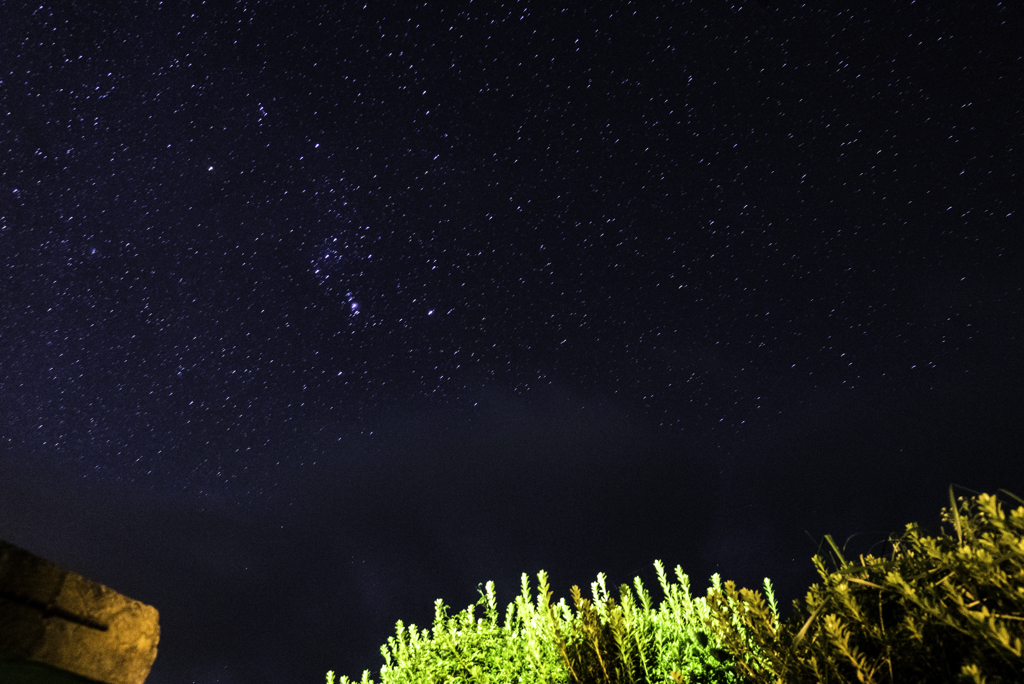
[57, 627]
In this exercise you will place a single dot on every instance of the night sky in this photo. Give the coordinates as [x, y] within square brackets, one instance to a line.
[309, 317]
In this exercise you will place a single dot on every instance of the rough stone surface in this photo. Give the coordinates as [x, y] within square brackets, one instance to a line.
[57, 626]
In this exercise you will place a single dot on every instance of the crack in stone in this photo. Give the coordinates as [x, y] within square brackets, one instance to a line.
[54, 611]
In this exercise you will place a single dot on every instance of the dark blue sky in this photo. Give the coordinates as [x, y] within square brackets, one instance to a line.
[309, 316]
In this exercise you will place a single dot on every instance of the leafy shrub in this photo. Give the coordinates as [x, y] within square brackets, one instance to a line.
[943, 608]
[604, 641]
[465, 648]
[946, 608]
[630, 642]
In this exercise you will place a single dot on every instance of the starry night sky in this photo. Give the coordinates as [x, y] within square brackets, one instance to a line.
[309, 317]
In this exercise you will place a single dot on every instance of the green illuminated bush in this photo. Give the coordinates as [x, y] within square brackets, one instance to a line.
[944, 609]
[603, 640]
[630, 641]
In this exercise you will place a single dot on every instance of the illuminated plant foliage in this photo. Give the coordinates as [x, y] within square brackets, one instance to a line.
[601, 640]
[946, 608]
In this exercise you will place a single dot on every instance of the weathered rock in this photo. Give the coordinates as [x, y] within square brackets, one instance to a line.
[57, 627]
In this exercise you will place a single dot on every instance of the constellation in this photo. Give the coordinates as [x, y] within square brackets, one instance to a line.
[337, 265]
